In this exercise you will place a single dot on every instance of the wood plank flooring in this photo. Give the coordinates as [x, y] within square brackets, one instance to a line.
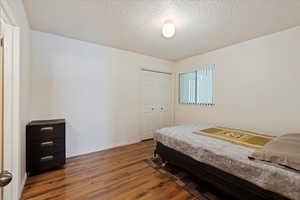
[115, 174]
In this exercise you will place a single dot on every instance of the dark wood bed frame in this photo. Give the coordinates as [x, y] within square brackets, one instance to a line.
[232, 185]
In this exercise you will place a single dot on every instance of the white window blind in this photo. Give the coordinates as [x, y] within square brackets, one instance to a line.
[197, 87]
[188, 88]
[205, 86]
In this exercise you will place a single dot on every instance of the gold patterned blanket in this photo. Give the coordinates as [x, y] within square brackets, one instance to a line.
[240, 137]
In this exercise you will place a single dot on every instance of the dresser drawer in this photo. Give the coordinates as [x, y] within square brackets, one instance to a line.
[47, 147]
[40, 163]
[46, 133]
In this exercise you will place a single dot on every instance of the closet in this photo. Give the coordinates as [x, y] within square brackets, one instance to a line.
[156, 102]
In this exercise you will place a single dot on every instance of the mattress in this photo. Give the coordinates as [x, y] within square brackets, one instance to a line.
[230, 158]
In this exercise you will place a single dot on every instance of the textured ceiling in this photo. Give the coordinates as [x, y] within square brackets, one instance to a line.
[135, 25]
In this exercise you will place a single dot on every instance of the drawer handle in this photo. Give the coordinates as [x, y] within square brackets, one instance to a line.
[47, 128]
[46, 158]
[44, 144]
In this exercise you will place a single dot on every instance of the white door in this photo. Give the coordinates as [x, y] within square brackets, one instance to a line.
[150, 101]
[5, 177]
[1, 111]
[9, 111]
[165, 100]
[156, 102]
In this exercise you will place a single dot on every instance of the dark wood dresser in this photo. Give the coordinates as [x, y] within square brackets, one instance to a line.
[45, 145]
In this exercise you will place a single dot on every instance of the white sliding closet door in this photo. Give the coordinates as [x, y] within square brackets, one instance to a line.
[165, 99]
[156, 102]
[150, 102]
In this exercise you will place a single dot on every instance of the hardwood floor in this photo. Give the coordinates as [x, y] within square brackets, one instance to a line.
[115, 174]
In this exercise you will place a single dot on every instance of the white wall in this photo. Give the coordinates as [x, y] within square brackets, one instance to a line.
[16, 10]
[95, 88]
[257, 85]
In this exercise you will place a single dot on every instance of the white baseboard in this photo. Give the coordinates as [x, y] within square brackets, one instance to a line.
[22, 185]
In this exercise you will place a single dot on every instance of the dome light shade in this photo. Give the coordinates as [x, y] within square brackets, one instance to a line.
[168, 30]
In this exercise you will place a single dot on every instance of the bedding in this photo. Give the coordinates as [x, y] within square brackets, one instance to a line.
[230, 158]
[284, 150]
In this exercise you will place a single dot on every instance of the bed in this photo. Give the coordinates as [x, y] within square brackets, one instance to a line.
[225, 165]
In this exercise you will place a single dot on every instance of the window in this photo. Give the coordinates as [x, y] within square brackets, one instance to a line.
[197, 87]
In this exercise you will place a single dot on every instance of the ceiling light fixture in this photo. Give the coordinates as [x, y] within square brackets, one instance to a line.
[168, 30]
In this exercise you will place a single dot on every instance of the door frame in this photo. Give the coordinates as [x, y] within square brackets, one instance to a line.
[12, 101]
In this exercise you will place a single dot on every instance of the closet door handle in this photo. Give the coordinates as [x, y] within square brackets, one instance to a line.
[152, 109]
